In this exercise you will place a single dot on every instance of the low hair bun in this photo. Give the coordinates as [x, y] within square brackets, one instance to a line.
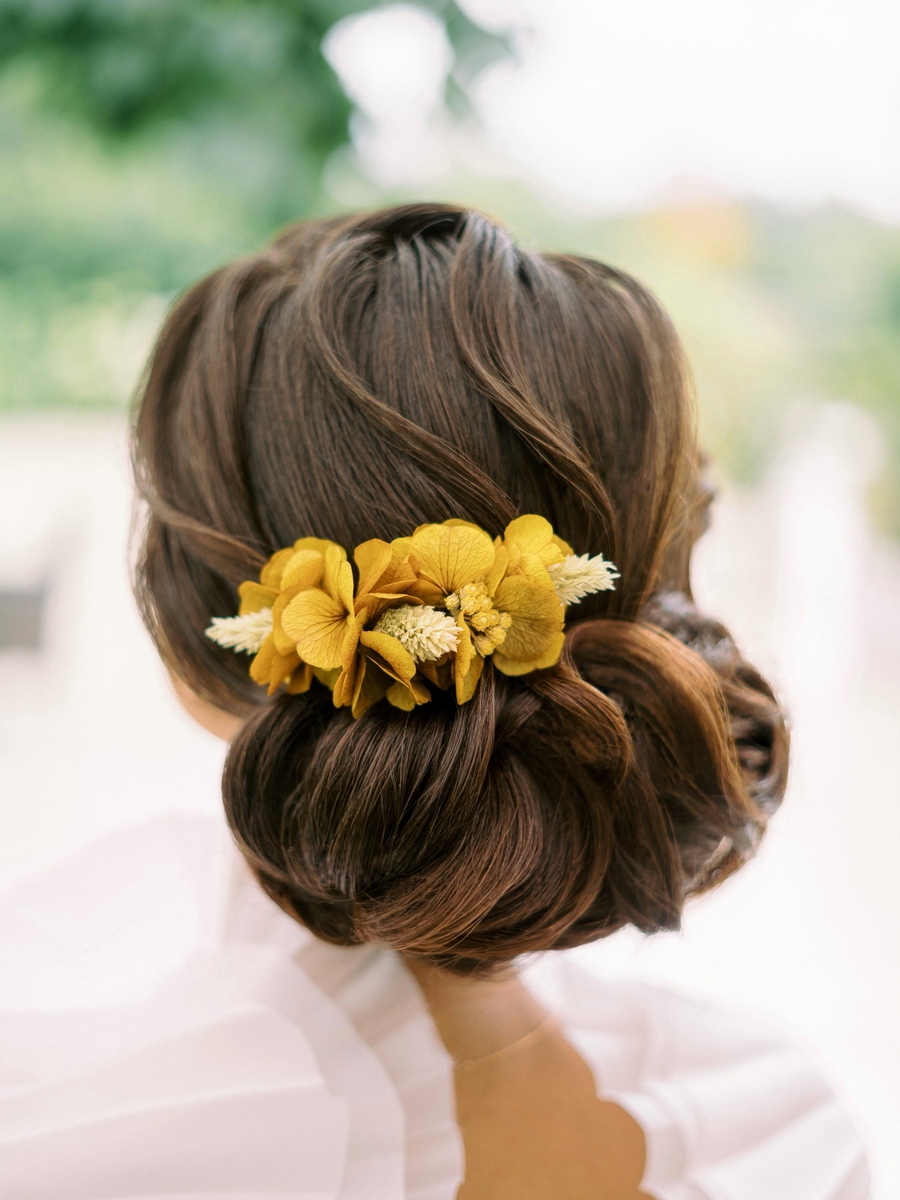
[690, 809]
[757, 721]
[464, 834]
[548, 811]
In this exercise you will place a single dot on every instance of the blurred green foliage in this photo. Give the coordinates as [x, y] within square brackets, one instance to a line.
[779, 307]
[210, 69]
[143, 142]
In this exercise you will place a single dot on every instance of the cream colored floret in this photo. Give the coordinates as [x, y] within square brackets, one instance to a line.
[579, 575]
[245, 633]
[423, 631]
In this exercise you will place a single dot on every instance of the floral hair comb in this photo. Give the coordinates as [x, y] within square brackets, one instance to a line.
[426, 609]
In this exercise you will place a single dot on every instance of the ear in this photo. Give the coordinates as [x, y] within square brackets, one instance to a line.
[224, 725]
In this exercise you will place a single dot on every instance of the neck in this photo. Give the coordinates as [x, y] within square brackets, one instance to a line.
[477, 1017]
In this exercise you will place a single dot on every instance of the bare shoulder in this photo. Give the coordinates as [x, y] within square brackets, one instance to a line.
[533, 1127]
[532, 1124]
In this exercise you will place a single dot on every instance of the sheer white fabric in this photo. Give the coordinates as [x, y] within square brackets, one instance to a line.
[166, 1031]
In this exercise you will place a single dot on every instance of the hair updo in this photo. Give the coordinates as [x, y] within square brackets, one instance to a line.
[370, 374]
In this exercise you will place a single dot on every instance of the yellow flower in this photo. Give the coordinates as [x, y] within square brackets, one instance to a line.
[285, 574]
[325, 623]
[532, 546]
[499, 592]
[448, 558]
[535, 638]
[526, 593]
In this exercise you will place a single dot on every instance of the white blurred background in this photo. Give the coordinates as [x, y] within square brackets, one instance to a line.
[745, 160]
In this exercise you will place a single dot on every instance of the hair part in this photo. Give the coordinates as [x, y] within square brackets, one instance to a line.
[366, 375]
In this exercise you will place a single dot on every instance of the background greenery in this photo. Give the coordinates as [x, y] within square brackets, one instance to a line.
[144, 142]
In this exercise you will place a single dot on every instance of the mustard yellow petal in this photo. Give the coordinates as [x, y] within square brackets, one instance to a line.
[374, 603]
[465, 649]
[271, 669]
[270, 575]
[344, 584]
[392, 651]
[535, 568]
[402, 547]
[400, 696]
[440, 673]
[371, 686]
[530, 533]
[255, 597]
[515, 666]
[407, 695]
[451, 556]
[405, 566]
[317, 623]
[352, 664]
[498, 570]
[551, 553]
[303, 569]
[466, 684]
[282, 671]
[533, 535]
[261, 664]
[337, 578]
[427, 593]
[352, 630]
[373, 559]
[320, 545]
[459, 523]
[467, 664]
[399, 575]
[377, 602]
[327, 678]
[563, 547]
[301, 680]
[284, 642]
[342, 691]
[537, 617]
[453, 521]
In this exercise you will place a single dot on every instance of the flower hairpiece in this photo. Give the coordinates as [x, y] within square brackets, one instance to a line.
[425, 609]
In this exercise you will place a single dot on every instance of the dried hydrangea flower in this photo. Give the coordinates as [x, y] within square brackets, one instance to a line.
[421, 629]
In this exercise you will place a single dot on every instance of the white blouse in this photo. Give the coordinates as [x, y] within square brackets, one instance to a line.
[166, 1031]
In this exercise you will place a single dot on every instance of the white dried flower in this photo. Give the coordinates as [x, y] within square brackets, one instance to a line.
[425, 632]
[579, 575]
[245, 633]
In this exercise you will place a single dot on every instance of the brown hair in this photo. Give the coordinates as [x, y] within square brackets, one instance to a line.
[369, 374]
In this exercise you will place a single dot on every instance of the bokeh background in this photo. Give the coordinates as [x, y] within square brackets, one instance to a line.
[742, 158]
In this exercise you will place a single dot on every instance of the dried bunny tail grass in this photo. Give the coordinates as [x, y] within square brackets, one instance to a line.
[422, 630]
[246, 633]
[580, 575]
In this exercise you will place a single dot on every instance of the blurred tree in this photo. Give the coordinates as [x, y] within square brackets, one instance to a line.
[129, 68]
[142, 142]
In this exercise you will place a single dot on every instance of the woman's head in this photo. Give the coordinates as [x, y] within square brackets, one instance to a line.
[368, 375]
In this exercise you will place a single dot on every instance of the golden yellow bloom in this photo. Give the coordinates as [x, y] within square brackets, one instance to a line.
[500, 593]
[526, 593]
[531, 545]
[447, 558]
[325, 623]
[285, 574]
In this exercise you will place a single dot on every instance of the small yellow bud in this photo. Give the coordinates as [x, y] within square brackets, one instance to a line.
[483, 645]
